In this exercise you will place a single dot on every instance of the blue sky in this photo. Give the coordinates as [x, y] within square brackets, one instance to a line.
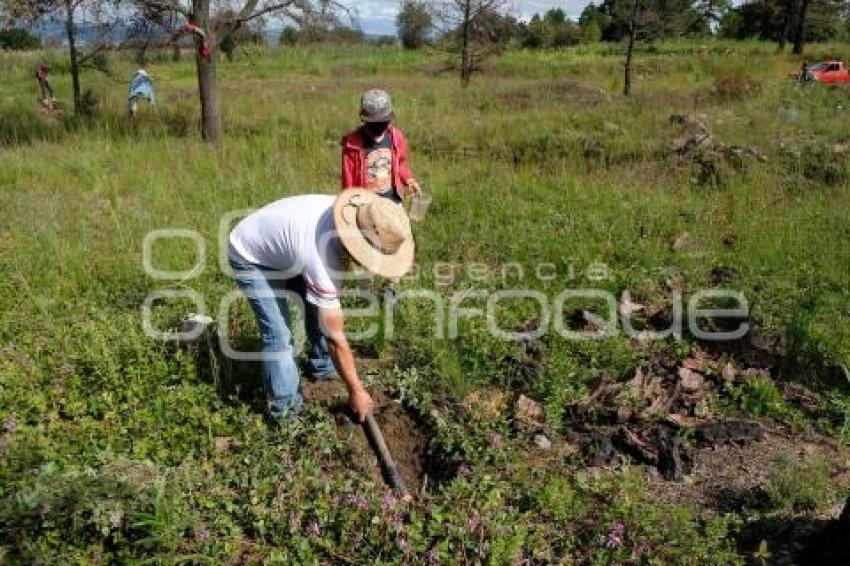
[378, 16]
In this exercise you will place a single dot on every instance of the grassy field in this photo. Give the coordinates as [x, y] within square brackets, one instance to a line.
[117, 447]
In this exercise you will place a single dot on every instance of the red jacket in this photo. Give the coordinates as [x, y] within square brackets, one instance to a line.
[354, 160]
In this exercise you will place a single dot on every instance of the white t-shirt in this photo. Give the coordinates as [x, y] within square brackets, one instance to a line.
[295, 236]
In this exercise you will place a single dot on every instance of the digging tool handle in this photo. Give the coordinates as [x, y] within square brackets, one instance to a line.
[391, 474]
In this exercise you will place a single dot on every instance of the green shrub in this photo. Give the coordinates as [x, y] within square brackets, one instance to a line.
[818, 350]
[838, 411]
[799, 485]
[18, 40]
[822, 165]
[757, 396]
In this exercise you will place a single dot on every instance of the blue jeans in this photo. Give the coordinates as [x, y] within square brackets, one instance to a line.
[281, 379]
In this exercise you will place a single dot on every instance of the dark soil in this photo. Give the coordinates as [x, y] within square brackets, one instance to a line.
[831, 545]
[406, 442]
[732, 477]
[660, 420]
[404, 436]
[656, 420]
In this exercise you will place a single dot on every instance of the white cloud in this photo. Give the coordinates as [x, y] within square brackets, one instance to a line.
[527, 8]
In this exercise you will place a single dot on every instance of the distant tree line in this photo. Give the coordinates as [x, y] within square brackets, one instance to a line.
[609, 20]
[473, 29]
[335, 34]
[797, 21]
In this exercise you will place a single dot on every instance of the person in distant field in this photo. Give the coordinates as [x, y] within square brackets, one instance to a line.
[44, 83]
[805, 76]
[301, 246]
[375, 155]
[141, 87]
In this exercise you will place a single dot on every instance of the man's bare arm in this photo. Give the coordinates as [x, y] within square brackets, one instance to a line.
[331, 322]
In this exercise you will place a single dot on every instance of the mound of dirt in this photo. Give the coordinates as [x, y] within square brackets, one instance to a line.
[646, 418]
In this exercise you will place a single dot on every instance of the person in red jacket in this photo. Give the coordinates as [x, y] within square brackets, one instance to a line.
[375, 155]
[44, 83]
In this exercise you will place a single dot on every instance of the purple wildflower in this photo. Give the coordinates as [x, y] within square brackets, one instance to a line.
[472, 524]
[402, 544]
[202, 533]
[398, 520]
[464, 469]
[357, 501]
[495, 440]
[10, 424]
[615, 535]
[388, 500]
[433, 555]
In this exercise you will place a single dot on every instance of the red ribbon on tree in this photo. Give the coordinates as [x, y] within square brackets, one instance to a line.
[204, 50]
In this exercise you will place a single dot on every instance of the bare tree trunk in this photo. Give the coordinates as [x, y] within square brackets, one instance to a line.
[786, 24]
[72, 52]
[207, 87]
[208, 91]
[630, 47]
[175, 45]
[800, 36]
[141, 56]
[465, 50]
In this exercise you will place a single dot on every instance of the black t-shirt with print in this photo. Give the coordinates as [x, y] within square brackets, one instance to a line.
[379, 177]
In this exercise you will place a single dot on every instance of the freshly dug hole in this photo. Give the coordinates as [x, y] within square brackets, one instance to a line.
[406, 439]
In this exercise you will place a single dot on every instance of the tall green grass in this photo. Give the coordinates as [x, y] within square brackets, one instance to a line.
[507, 164]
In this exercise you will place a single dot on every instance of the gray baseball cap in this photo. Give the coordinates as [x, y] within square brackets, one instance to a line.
[376, 106]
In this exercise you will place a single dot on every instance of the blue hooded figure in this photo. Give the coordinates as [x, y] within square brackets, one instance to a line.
[140, 87]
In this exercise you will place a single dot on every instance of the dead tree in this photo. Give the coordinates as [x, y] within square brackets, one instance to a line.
[213, 23]
[153, 30]
[647, 20]
[800, 35]
[788, 9]
[630, 47]
[460, 18]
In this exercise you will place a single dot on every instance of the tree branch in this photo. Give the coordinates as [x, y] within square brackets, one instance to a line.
[247, 13]
[166, 6]
[90, 55]
[291, 8]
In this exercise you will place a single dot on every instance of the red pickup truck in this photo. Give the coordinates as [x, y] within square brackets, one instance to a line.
[827, 72]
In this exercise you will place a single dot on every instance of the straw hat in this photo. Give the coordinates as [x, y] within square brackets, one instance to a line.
[375, 231]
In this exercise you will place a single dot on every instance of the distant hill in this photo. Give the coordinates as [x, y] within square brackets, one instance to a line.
[52, 31]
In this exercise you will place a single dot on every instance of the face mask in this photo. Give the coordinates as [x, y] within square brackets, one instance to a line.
[376, 129]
